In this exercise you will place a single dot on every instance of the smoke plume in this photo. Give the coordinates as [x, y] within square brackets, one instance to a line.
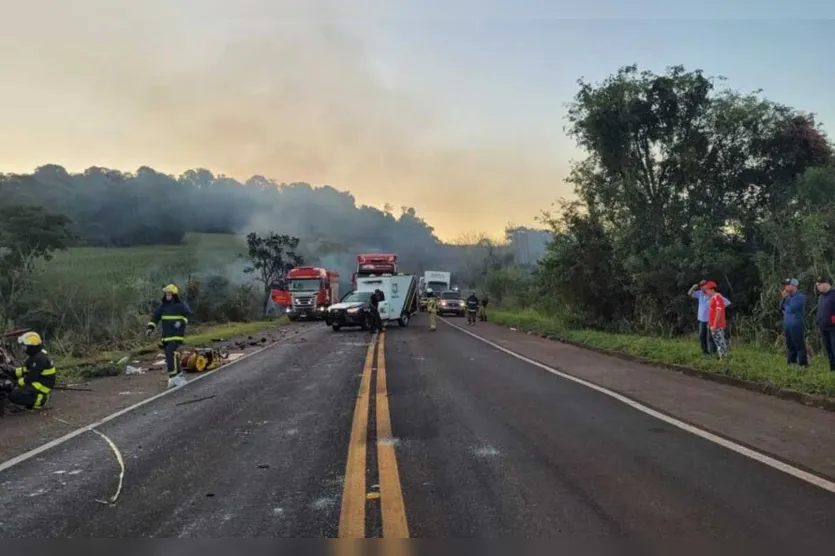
[285, 89]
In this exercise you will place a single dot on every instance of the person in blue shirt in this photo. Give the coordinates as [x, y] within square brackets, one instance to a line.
[697, 291]
[173, 313]
[825, 317]
[793, 307]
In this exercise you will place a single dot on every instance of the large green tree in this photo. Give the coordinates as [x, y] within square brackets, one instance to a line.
[271, 257]
[681, 180]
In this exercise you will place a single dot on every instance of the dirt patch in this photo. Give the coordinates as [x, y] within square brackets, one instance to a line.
[69, 410]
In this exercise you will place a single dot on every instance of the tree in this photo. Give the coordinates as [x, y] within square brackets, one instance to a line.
[681, 180]
[27, 235]
[271, 257]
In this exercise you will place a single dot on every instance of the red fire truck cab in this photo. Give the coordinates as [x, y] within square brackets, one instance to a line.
[281, 297]
[311, 290]
[375, 264]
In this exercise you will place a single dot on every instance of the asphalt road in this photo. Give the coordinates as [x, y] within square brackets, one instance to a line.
[481, 445]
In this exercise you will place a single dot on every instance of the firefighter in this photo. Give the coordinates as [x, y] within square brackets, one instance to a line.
[35, 379]
[432, 309]
[376, 321]
[482, 314]
[173, 313]
[472, 308]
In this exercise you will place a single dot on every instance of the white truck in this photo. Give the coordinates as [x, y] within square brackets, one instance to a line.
[437, 281]
[400, 292]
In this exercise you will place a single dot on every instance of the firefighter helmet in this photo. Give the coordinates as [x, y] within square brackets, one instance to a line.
[172, 289]
[30, 339]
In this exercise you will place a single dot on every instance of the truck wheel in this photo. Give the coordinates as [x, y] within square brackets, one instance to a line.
[404, 320]
[335, 327]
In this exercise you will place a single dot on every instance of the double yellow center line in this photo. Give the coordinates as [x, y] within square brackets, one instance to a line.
[355, 494]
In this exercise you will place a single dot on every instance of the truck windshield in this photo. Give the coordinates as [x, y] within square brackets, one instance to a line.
[303, 284]
[437, 286]
[353, 297]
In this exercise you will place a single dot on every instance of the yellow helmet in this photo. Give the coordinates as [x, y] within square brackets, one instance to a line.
[30, 339]
[172, 289]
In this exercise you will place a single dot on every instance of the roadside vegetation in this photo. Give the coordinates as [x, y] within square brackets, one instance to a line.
[746, 362]
[682, 181]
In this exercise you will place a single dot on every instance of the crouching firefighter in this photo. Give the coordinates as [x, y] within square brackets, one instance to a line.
[35, 379]
[173, 313]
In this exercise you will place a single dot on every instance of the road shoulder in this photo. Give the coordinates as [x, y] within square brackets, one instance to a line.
[100, 397]
[786, 430]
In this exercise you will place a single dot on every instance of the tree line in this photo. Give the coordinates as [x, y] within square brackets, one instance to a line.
[684, 180]
[111, 208]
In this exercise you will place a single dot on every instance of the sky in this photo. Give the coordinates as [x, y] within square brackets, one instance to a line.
[454, 107]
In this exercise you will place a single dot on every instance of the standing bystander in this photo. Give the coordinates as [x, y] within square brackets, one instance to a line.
[717, 320]
[793, 307]
[825, 317]
[697, 291]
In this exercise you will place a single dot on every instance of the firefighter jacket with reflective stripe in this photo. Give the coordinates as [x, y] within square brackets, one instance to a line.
[174, 317]
[37, 372]
[432, 305]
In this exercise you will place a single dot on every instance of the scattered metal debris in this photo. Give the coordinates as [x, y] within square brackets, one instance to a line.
[197, 400]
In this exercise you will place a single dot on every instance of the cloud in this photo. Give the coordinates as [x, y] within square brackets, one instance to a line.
[284, 89]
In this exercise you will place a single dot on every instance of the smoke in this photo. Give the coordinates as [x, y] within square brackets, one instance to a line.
[287, 89]
[344, 264]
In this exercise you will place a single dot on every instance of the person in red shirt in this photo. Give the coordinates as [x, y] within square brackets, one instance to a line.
[716, 319]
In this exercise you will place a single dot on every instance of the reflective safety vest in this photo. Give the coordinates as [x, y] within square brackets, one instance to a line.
[38, 373]
[174, 317]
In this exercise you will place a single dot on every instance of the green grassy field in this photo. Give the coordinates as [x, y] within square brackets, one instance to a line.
[94, 299]
[107, 265]
[748, 363]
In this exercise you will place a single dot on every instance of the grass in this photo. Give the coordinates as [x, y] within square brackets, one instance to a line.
[745, 362]
[108, 265]
[106, 363]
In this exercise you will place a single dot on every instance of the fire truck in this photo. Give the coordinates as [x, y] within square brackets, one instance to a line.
[374, 264]
[311, 291]
[280, 296]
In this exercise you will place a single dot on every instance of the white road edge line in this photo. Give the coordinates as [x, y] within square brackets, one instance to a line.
[8, 464]
[725, 443]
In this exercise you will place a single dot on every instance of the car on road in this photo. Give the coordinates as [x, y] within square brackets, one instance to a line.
[354, 309]
[450, 302]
